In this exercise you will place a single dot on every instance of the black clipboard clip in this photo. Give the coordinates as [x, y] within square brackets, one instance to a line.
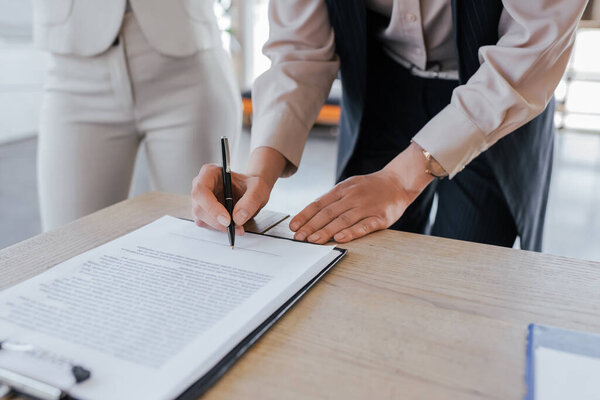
[17, 382]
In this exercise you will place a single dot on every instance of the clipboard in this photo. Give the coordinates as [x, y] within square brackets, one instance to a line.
[15, 381]
[20, 383]
[263, 224]
[211, 377]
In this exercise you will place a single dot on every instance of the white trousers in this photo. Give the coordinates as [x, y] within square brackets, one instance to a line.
[97, 111]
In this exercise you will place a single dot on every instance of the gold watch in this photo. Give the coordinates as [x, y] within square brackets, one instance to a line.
[433, 166]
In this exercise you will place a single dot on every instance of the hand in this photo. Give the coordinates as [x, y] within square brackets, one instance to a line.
[364, 204]
[250, 192]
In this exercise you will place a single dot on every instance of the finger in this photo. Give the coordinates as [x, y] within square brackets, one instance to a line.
[255, 197]
[209, 218]
[341, 222]
[206, 206]
[322, 219]
[238, 185]
[202, 224]
[360, 229]
[313, 208]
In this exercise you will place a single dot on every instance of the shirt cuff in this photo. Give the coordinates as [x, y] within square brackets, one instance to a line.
[452, 139]
[282, 131]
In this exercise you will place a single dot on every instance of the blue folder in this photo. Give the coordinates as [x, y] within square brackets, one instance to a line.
[581, 343]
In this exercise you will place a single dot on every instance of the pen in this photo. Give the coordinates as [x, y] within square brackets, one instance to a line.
[227, 192]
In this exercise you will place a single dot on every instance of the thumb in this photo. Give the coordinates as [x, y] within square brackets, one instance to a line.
[255, 197]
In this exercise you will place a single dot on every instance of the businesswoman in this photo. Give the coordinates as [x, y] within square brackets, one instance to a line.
[124, 73]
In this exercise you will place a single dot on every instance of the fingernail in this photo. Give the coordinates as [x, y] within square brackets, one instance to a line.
[300, 236]
[339, 236]
[241, 215]
[223, 220]
[314, 237]
[295, 225]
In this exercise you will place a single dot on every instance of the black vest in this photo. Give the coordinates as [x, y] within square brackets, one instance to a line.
[521, 161]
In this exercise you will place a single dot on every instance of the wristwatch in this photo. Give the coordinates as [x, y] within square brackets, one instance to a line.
[433, 167]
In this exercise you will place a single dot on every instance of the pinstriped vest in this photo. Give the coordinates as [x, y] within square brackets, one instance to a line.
[521, 161]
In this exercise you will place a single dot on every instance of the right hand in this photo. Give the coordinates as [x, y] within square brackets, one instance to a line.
[250, 194]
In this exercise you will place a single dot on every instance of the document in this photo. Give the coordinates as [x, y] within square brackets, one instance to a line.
[152, 311]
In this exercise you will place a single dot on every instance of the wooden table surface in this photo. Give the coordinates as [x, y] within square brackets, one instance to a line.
[402, 316]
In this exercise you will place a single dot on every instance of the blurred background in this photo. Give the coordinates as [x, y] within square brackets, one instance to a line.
[573, 219]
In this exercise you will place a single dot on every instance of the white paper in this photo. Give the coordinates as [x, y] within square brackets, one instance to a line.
[560, 375]
[149, 313]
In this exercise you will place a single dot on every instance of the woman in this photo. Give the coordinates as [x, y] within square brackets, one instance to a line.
[125, 73]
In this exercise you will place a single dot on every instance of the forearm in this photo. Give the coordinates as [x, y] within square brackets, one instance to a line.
[288, 97]
[513, 84]
[267, 163]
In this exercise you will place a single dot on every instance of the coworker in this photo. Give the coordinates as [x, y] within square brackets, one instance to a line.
[430, 88]
[121, 74]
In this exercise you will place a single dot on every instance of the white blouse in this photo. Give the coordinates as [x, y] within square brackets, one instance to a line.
[420, 33]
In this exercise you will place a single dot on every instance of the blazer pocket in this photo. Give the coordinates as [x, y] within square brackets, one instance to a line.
[52, 12]
[200, 10]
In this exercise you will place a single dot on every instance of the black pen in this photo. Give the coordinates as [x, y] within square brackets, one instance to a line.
[227, 191]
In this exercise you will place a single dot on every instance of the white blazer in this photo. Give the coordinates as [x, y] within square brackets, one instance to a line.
[88, 27]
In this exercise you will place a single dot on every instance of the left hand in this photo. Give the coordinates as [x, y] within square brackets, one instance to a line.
[364, 204]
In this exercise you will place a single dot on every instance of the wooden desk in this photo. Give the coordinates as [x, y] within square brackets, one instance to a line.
[402, 316]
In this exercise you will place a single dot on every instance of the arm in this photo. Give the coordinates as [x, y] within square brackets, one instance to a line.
[514, 83]
[287, 99]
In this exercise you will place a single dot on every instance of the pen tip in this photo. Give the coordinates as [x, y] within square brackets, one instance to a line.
[231, 247]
